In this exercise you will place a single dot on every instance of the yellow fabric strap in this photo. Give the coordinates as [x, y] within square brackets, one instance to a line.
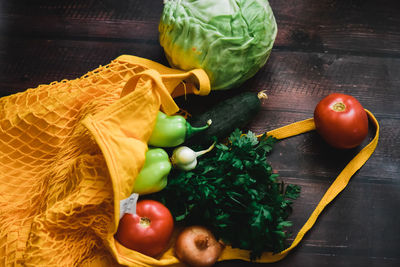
[337, 186]
[197, 81]
[167, 103]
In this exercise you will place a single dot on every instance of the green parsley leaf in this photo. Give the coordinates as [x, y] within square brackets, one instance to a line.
[234, 193]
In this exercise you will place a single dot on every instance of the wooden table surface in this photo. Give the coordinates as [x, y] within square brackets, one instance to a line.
[324, 46]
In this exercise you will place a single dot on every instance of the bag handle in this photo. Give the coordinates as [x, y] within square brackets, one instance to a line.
[336, 187]
[174, 80]
[197, 76]
[167, 103]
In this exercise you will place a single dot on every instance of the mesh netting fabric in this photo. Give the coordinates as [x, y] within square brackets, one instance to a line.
[57, 199]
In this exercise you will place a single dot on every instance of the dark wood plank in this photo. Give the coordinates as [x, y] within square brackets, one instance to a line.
[293, 80]
[356, 26]
[299, 80]
[30, 63]
[359, 27]
[125, 19]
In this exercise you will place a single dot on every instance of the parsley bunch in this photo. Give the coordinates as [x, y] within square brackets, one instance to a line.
[234, 193]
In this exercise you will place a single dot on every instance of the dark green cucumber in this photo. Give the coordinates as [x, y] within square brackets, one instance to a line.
[226, 116]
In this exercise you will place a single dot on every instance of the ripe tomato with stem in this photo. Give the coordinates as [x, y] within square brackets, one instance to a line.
[341, 121]
[149, 230]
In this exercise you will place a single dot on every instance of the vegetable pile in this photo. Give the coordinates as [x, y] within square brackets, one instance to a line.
[226, 193]
[230, 196]
[234, 192]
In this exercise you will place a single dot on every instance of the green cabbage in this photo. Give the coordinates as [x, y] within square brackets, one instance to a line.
[230, 39]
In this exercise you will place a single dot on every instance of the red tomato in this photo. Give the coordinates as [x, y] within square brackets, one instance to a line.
[149, 230]
[341, 121]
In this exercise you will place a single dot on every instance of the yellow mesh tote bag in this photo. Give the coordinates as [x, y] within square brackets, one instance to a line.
[70, 151]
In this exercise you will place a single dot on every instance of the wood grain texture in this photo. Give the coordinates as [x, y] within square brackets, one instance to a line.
[362, 27]
[356, 26]
[322, 47]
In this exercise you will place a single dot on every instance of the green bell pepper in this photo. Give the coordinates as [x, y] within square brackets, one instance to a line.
[153, 175]
[171, 131]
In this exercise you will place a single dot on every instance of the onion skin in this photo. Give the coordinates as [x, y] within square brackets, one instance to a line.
[197, 247]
